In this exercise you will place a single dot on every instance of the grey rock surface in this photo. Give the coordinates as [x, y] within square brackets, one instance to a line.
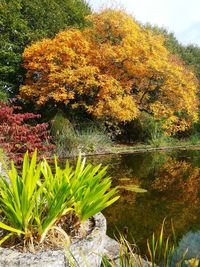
[3, 172]
[111, 248]
[13, 258]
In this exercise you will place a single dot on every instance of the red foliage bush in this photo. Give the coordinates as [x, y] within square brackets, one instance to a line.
[17, 135]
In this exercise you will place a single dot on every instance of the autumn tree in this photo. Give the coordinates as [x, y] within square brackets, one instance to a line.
[115, 70]
[25, 21]
[180, 179]
[190, 54]
[18, 134]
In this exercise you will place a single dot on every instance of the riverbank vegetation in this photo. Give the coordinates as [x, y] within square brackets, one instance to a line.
[162, 251]
[102, 76]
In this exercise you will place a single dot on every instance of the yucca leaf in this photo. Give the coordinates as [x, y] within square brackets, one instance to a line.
[13, 176]
[91, 210]
[25, 166]
[166, 252]
[150, 253]
[160, 242]
[5, 238]
[173, 233]
[10, 229]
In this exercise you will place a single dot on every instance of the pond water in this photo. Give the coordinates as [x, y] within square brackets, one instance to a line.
[172, 181]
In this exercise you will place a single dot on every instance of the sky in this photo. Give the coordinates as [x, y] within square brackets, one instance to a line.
[182, 17]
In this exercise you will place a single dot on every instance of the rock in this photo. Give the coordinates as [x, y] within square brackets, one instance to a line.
[3, 172]
[111, 248]
[13, 258]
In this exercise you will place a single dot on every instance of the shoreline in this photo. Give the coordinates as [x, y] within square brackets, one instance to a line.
[117, 149]
[134, 149]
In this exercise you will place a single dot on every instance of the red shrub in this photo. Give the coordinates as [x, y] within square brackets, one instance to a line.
[17, 135]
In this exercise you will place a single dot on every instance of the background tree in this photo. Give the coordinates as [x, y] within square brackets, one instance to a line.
[14, 36]
[114, 70]
[25, 21]
[190, 54]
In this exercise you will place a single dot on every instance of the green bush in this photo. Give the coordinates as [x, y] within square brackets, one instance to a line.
[153, 132]
[161, 141]
[38, 199]
[71, 139]
[194, 139]
[3, 96]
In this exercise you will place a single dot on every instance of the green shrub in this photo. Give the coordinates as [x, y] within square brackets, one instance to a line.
[153, 132]
[3, 96]
[194, 139]
[35, 200]
[71, 139]
[161, 141]
[91, 139]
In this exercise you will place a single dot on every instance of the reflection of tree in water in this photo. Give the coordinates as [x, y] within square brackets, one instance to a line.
[142, 165]
[178, 184]
[173, 191]
[178, 180]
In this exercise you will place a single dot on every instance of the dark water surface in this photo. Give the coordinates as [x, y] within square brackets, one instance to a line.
[172, 181]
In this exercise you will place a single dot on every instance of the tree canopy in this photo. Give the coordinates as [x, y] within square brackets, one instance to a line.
[25, 21]
[114, 69]
[190, 54]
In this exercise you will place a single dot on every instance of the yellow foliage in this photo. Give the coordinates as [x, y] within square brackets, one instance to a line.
[179, 178]
[114, 69]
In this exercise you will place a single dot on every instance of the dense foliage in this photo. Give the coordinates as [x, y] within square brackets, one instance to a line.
[114, 70]
[17, 135]
[190, 54]
[39, 199]
[24, 21]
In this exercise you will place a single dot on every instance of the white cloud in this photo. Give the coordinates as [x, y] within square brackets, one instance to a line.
[178, 16]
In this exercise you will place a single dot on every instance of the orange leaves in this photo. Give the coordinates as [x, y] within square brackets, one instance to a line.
[180, 179]
[114, 69]
[121, 108]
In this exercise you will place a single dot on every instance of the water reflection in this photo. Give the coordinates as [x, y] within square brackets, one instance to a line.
[172, 180]
[178, 180]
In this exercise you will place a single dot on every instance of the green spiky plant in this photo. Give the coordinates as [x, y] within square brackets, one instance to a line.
[161, 250]
[128, 256]
[34, 200]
